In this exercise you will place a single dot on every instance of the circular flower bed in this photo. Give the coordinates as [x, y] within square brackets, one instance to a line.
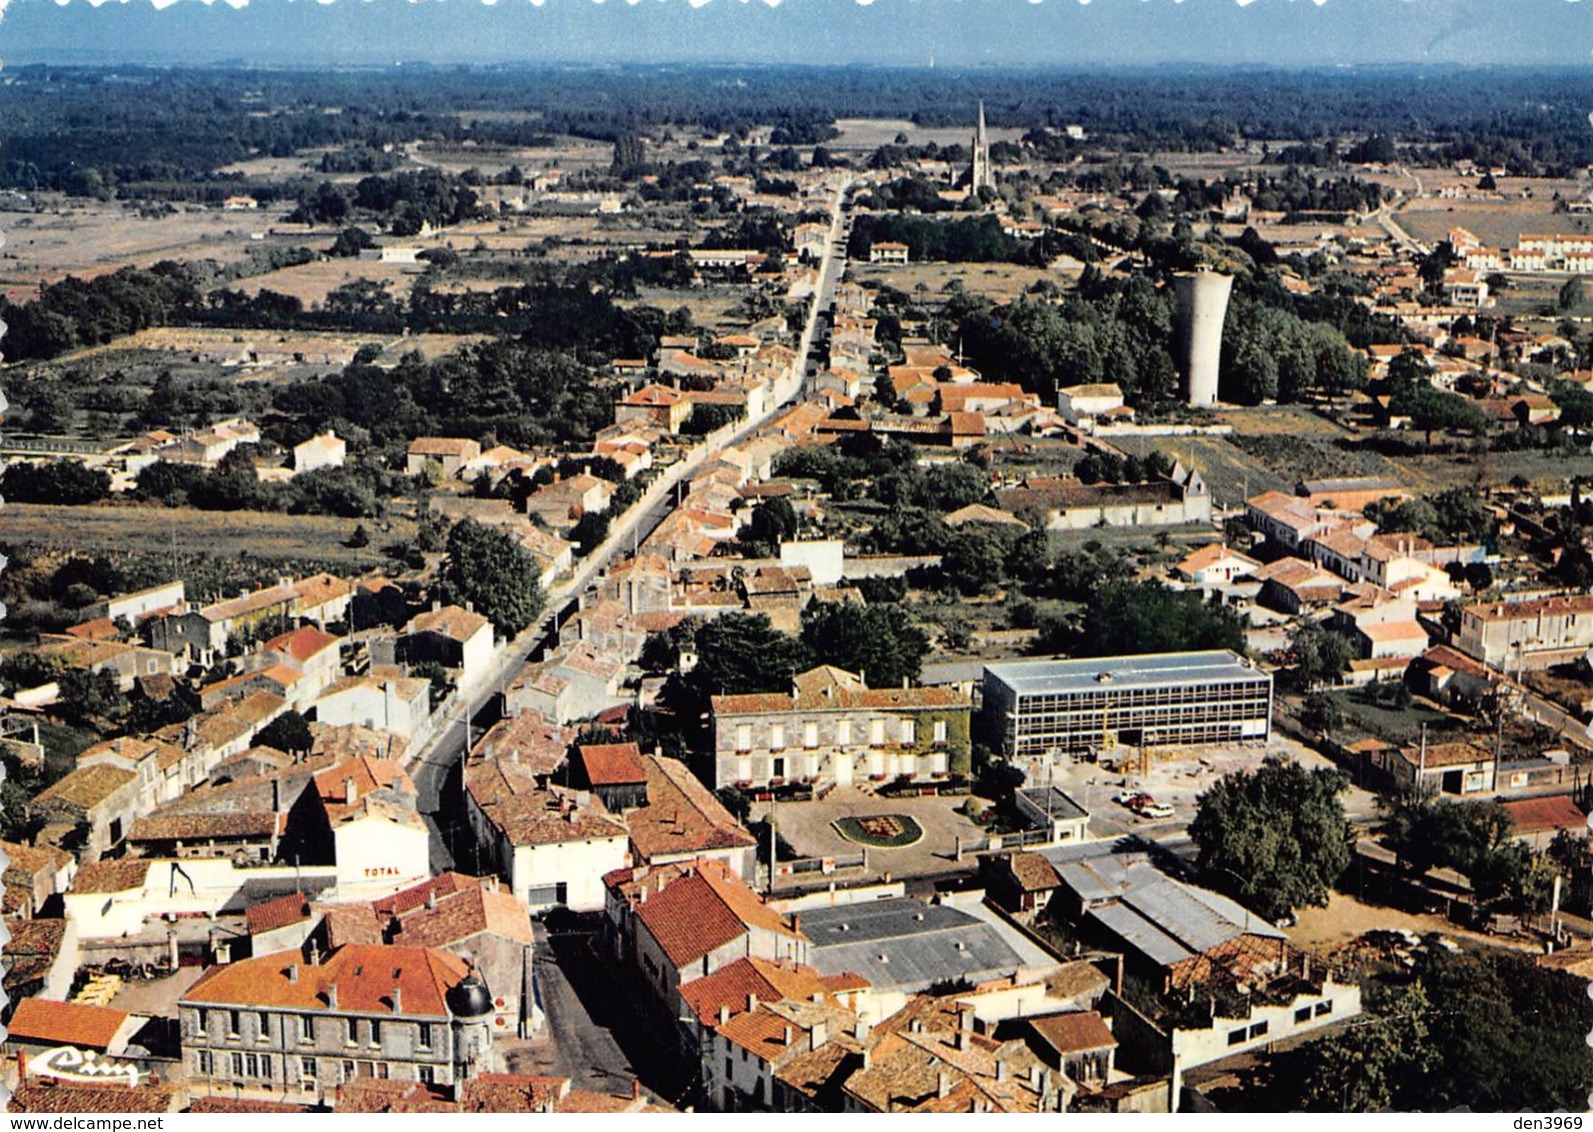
[881, 831]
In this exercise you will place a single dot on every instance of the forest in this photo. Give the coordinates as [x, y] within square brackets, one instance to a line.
[97, 132]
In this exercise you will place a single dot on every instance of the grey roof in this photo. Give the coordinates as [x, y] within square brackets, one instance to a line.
[906, 945]
[1163, 918]
[1153, 670]
[1351, 483]
[1058, 804]
[952, 672]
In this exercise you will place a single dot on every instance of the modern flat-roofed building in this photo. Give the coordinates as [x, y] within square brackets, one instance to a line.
[1043, 707]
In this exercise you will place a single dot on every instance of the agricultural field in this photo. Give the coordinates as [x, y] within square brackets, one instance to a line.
[259, 534]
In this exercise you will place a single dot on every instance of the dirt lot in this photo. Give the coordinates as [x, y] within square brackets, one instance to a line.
[1002, 282]
[90, 238]
[96, 530]
[310, 282]
[1344, 918]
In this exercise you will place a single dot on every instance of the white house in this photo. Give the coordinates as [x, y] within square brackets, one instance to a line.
[325, 451]
[398, 705]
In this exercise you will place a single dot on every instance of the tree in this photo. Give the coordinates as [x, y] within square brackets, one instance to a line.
[1490, 1031]
[288, 732]
[1571, 294]
[1146, 617]
[974, 561]
[880, 641]
[1364, 1068]
[87, 696]
[59, 481]
[1320, 655]
[1275, 838]
[744, 653]
[1321, 713]
[493, 572]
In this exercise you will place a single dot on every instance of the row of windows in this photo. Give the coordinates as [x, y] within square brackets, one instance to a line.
[245, 1067]
[906, 731]
[1151, 737]
[1064, 724]
[1111, 700]
[302, 1027]
[1259, 1029]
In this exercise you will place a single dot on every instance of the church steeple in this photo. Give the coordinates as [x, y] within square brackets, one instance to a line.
[980, 175]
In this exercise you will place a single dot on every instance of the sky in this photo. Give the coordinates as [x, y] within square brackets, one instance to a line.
[1071, 33]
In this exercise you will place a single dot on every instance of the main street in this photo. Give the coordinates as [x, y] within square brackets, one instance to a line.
[435, 761]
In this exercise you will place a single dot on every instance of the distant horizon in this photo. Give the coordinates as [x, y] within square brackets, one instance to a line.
[1284, 35]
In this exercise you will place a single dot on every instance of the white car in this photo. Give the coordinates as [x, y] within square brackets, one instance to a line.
[1156, 810]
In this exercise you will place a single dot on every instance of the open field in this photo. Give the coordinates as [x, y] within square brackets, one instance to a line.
[1232, 475]
[1002, 282]
[100, 530]
[1496, 223]
[201, 344]
[311, 282]
[871, 133]
[90, 238]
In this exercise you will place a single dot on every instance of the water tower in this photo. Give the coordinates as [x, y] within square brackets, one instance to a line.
[1202, 304]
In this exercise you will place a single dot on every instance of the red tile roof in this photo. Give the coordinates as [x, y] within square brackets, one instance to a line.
[1538, 815]
[279, 913]
[613, 764]
[42, 1021]
[731, 985]
[47, 1094]
[363, 974]
[681, 815]
[692, 910]
[302, 643]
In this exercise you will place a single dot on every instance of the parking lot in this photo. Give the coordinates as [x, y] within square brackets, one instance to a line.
[1178, 776]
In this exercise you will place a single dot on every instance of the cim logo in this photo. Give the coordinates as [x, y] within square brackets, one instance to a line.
[84, 1067]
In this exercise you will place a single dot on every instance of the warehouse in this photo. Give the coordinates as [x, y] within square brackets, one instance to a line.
[1049, 707]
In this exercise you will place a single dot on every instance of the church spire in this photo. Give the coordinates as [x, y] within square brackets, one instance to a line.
[980, 175]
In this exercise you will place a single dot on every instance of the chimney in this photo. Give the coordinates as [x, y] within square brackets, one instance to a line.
[351, 792]
[1001, 1069]
[796, 922]
[965, 1018]
[398, 1002]
[636, 1088]
[788, 1035]
[862, 1029]
[943, 1084]
[963, 1040]
[293, 972]
[868, 1059]
[431, 899]
[724, 1014]
[276, 795]
[819, 1034]
[331, 996]
[315, 954]
[752, 1002]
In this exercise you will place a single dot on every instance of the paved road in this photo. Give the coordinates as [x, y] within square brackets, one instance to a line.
[435, 764]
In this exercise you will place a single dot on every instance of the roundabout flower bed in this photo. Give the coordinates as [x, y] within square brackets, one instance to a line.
[880, 831]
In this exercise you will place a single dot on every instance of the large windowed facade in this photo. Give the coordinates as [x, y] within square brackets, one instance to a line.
[1046, 708]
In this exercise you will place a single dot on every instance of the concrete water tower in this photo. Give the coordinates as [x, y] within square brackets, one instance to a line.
[1202, 305]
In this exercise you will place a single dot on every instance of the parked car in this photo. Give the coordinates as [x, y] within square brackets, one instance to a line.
[1155, 810]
